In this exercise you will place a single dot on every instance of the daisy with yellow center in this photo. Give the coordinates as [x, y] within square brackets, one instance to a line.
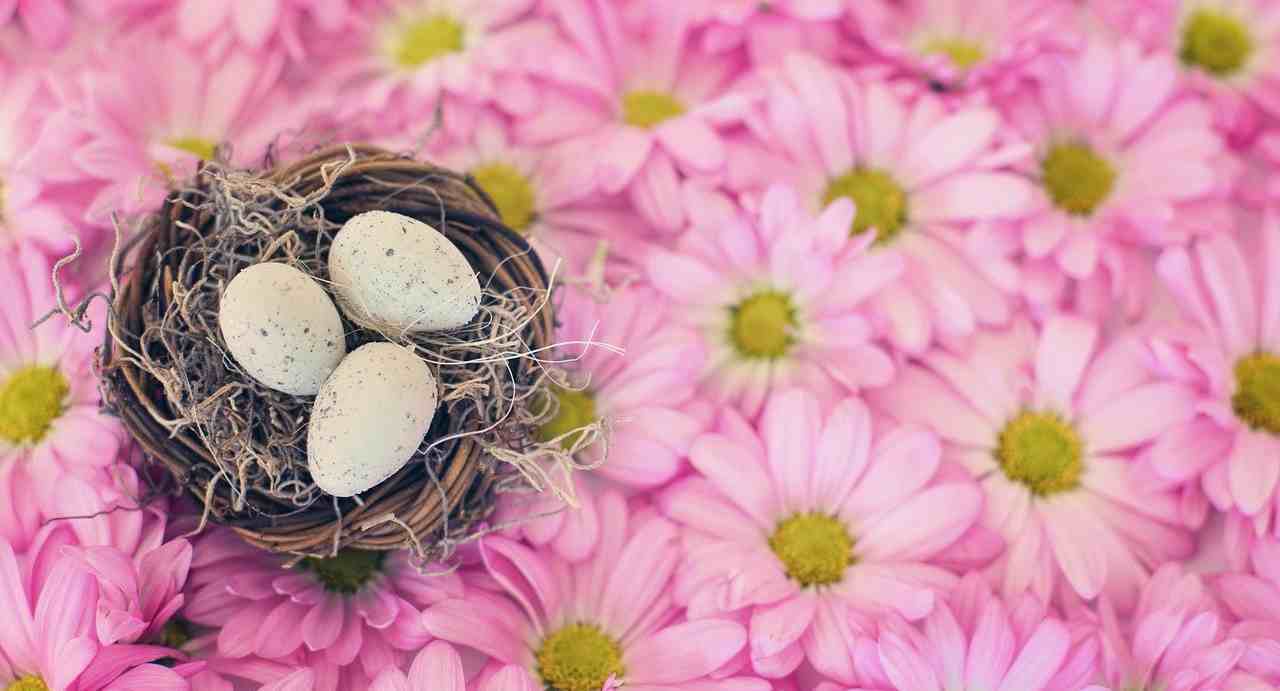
[769, 302]
[418, 35]
[1028, 413]
[605, 619]
[807, 531]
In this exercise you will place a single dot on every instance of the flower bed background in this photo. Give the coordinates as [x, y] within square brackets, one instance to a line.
[951, 330]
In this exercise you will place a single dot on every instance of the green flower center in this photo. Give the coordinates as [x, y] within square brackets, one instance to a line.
[176, 633]
[28, 683]
[578, 657]
[347, 572]
[761, 326]
[1216, 42]
[1041, 451]
[200, 147]
[963, 53]
[646, 108]
[30, 400]
[1257, 398]
[1076, 178]
[428, 38]
[815, 548]
[575, 409]
[881, 201]
[510, 190]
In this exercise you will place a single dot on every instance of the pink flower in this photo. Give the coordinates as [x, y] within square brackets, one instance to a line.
[1227, 49]
[609, 619]
[1049, 420]
[137, 595]
[153, 108]
[48, 22]
[809, 521]
[1228, 285]
[930, 184]
[1121, 163]
[644, 101]
[56, 449]
[778, 298]
[958, 43]
[976, 641]
[47, 635]
[1176, 638]
[438, 667]
[356, 606]
[1252, 597]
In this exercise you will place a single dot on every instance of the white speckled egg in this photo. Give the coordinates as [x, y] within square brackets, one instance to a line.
[281, 327]
[395, 274]
[369, 418]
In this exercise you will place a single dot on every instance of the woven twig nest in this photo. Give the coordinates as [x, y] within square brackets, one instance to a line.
[236, 446]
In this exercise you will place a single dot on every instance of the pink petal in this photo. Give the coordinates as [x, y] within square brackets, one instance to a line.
[321, 625]
[991, 648]
[255, 22]
[48, 21]
[905, 668]
[775, 627]
[1066, 344]
[684, 652]
[974, 196]
[1253, 470]
[438, 667]
[692, 143]
[920, 397]
[197, 19]
[922, 526]
[1073, 532]
[390, 680]
[301, 680]
[950, 144]
[511, 678]
[1136, 416]
[1040, 658]
[789, 431]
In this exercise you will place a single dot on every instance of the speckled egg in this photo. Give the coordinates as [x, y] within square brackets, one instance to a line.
[369, 418]
[397, 274]
[281, 327]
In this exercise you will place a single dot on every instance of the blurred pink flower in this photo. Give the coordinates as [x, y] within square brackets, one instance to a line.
[928, 183]
[55, 445]
[974, 640]
[779, 298]
[958, 43]
[577, 626]
[1125, 159]
[1228, 286]
[47, 636]
[1049, 419]
[48, 22]
[356, 606]
[1176, 638]
[811, 519]
[642, 99]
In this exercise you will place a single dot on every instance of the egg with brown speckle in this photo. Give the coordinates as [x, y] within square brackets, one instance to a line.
[369, 418]
[281, 327]
[396, 274]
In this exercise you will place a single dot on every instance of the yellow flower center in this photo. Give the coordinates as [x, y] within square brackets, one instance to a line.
[881, 201]
[1216, 42]
[575, 410]
[347, 572]
[30, 400]
[578, 657]
[647, 108]
[761, 326]
[815, 548]
[1042, 451]
[1257, 398]
[427, 38]
[510, 190]
[28, 683]
[200, 147]
[1076, 178]
[962, 52]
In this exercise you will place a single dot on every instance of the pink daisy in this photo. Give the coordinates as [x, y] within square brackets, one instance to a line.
[927, 183]
[543, 193]
[1229, 287]
[975, 641]
[811, 519]
[1253, 597]
[609, 619]
[643, 98]
[1175, 639]
[356, 606]
[137, 595]
[152, 108]
[1124, 159]
[1228, 49]
[779, 297]
[959, 43]
[55, 446]
[1049, 422]
[47, 639]
[438, 667]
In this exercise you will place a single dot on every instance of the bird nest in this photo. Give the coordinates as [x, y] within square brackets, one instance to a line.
[239, 448]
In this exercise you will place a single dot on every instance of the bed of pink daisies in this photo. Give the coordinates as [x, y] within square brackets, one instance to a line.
[952, 335]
